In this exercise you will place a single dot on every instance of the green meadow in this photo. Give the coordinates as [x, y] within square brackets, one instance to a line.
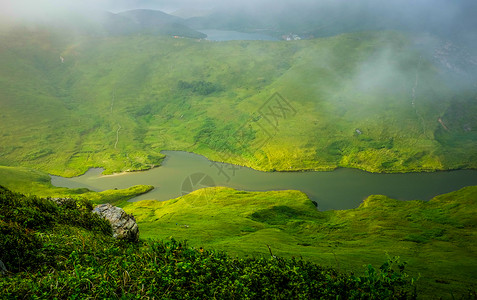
[367, 100]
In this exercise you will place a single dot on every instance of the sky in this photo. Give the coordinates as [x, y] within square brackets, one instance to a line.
[28, 8]
[436, 13]
[409, 6]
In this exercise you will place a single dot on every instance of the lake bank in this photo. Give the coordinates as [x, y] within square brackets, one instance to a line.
[338, 189]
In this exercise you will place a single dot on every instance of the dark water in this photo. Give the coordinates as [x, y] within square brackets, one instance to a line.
[340, 189]
[224, 35]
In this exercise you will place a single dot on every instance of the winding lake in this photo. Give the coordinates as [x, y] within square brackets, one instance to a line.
[339, 189]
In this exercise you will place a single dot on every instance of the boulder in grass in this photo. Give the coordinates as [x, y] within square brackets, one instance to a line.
[124, 225]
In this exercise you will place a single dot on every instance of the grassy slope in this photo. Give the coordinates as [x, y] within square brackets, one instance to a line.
[33, 182]
[437, 238]
[64, 117]
[67, 252]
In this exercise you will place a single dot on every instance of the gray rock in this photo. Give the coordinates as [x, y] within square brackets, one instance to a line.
[124, 226]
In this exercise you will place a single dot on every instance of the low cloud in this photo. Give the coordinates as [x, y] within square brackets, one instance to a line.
[449, 17]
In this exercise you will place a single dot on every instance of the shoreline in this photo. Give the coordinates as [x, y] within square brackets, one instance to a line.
[412, 171]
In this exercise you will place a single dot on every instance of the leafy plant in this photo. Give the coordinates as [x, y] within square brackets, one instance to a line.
[389, 281]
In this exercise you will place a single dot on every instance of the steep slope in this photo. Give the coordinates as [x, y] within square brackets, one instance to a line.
[374, 101]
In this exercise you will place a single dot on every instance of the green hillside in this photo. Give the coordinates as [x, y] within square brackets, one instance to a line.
[437, 238]
[364, 100]
[51, 251]
[152, 21]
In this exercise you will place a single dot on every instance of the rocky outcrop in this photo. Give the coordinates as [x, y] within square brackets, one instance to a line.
[124, 226]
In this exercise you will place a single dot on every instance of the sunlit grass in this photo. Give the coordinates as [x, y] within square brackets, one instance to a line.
[437, 238]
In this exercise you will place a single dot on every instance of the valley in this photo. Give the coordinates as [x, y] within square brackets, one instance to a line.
[334, 136]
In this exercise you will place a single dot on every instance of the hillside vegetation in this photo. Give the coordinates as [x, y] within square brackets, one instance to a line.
[52, 251]
[364, 100]
[437, 238]
[435, 241]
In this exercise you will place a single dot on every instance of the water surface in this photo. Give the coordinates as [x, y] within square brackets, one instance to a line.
[339, 189]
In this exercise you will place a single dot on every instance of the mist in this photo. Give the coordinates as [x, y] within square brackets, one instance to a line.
[434, 22]
[445, 14]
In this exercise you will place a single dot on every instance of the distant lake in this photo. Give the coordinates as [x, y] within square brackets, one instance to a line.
[339, 189]
[224, 35]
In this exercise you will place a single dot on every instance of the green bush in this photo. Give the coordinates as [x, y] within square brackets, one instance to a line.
[389, 282]
[200, 87]
[30, 212]
[173, 270]
[19, 248]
